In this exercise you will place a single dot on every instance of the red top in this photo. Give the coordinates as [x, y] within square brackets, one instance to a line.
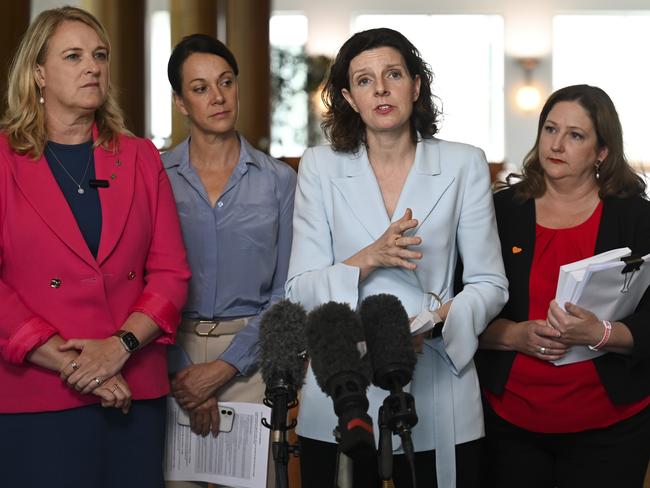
[540, 396]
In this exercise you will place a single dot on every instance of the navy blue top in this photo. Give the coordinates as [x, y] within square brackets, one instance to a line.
[85, 207]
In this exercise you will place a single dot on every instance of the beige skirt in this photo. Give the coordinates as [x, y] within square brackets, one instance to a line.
[205, 341]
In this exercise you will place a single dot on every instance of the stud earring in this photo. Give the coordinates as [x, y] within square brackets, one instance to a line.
[597, 168]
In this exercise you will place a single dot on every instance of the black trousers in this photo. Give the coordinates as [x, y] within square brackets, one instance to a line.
[615, 456]
[318, 467]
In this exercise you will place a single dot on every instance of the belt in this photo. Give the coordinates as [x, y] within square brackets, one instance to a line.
[212, 328]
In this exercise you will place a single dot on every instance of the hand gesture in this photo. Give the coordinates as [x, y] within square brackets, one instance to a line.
[538, 339]
[391, 249]
[115, 392]
[195, 384]
[98, 360]
[204, 419]
[577, 325]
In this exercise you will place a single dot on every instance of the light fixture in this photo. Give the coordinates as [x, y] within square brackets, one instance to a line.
[528, 96]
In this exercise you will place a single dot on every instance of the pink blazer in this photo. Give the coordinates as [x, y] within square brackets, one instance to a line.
[50, 282]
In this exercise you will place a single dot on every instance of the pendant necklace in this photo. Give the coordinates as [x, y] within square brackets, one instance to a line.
[80, 190]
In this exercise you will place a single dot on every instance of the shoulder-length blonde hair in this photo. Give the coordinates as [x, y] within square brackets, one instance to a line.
[24, 119]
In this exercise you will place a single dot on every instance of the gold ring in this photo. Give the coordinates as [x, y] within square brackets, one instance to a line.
[98, 380]
[74, 365]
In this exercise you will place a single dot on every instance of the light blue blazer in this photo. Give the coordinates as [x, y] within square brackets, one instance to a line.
[338, 211]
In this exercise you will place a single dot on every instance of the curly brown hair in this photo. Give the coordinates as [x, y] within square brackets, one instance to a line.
[343, 126]
[617, 178]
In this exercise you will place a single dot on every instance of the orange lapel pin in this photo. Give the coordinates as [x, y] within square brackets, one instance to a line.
[516, 250]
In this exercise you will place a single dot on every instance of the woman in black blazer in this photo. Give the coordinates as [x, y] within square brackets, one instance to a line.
[586, 423]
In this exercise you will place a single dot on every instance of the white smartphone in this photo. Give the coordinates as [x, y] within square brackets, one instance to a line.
[226, 418]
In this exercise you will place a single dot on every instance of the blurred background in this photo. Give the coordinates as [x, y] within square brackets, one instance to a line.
[494, 61]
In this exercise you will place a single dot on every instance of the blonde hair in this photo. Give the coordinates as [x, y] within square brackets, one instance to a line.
[24, 119]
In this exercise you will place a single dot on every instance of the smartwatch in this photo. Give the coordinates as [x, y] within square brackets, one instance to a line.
[128, 340]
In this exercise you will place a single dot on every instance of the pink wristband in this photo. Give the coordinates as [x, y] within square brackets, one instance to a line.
[603, 341]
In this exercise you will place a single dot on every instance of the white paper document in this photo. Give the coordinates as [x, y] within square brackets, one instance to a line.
[598, 284]
[237, 458]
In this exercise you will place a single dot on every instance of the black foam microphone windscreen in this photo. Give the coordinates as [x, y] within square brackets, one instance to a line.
[334, 333]
[388, 336]
[337, 351]
[283, 343]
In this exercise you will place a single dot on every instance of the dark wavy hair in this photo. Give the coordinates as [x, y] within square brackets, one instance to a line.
[617, 178]
[195, 43]
[343, 126]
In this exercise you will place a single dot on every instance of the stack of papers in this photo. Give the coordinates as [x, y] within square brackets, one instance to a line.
[599, 285]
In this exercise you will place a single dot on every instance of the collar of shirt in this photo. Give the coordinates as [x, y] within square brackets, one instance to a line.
[179, 158]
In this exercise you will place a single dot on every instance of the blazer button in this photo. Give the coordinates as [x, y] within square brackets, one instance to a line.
[131, 275]
[55, 282]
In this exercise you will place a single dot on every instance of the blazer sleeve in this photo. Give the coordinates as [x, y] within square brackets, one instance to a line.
[638, 322]
[166, 270]
[21, 330]
[314, 277]
[485, 288]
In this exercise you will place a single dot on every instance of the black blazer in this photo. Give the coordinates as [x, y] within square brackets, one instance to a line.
[624, 222]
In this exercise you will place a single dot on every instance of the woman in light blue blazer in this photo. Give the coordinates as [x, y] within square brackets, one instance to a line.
[388, 208]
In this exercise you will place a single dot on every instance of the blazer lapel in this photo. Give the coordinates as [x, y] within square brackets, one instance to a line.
[39, 187]
[119, 170]
[361, 192]
[424, 186]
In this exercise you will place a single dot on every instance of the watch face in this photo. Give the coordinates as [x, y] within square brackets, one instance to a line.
[130, 341]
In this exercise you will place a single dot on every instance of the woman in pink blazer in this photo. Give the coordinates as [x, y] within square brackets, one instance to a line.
[92, 271]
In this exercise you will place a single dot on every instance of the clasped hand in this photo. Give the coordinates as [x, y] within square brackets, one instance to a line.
[576, 325]
[98, 360]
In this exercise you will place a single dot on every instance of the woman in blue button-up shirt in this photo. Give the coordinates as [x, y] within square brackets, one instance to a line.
[235, 205]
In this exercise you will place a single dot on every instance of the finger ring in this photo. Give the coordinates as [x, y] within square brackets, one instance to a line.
[542, 350]
[98, 380]
[114, 388]
[74, 365]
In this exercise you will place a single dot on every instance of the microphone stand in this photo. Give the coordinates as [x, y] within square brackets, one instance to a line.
[397, 416]
[280, 397]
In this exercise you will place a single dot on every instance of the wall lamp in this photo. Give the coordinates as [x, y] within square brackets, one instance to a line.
[528, 97]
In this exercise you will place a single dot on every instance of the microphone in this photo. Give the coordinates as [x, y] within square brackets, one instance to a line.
[387, 331]
[283, 350]
[98, 183]
[336, 348]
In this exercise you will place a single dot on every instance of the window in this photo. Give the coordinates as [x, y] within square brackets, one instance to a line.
[468, 72]
[608, 51]
[289, 110]
[159, 113]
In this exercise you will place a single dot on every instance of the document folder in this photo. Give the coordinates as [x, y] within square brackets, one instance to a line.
[610, 285]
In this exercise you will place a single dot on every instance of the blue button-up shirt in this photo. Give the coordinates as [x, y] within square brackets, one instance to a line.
[239, 249]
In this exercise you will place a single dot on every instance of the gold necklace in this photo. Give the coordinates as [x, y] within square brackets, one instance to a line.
[80, 190]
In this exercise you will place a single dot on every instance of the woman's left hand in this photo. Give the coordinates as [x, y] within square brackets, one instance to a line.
[98, 360]
[577, 325]
[195, 384]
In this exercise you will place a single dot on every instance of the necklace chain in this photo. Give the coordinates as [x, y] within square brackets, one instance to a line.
[80, 190]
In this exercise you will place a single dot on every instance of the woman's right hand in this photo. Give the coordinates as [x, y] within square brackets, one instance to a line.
[390, 250]
[536, 338]
[115, 392]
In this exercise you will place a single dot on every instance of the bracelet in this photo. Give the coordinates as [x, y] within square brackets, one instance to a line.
[603, 341]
